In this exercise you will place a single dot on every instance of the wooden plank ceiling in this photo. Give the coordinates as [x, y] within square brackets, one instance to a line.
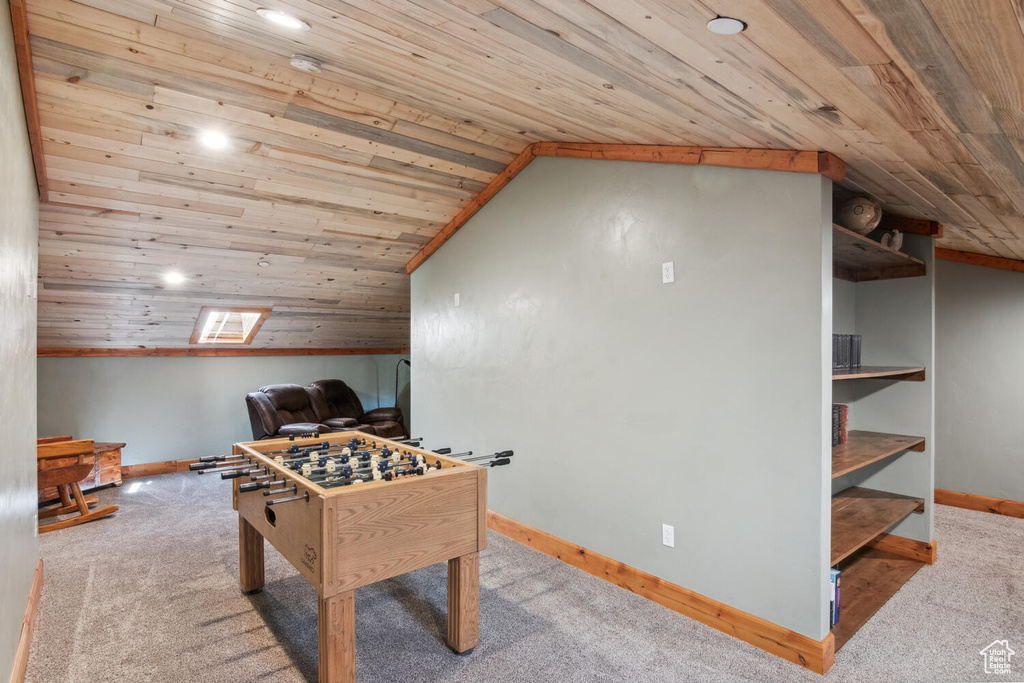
[338, 179]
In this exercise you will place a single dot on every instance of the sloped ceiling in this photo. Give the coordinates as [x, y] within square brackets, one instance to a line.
[339, 178]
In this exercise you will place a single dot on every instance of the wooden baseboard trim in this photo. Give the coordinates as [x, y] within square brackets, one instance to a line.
[150, 469]
[27, 625]
[922, 551]
[970, 501]
[816, 655]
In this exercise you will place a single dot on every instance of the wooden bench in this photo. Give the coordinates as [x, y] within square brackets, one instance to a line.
[63, 464]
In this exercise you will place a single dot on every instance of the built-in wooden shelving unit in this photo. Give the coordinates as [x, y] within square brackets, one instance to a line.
[858, 259]
[860, 515]
[873, 564]
[870, 578]
[864, 448]
[905, 374]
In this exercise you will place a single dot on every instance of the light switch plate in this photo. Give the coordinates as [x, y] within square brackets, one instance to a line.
[456, 299]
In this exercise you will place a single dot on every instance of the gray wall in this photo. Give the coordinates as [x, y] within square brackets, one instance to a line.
[897, 321]
[701, 404]
[178, 408]
[980, 387]
[18, 239]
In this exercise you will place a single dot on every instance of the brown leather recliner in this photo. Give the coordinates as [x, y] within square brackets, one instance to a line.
[281, 410]
[335, 404]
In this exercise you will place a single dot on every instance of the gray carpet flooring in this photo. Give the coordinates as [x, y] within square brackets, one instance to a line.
[151, 594]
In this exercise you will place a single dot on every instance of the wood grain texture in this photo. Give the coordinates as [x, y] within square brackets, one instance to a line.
[901, 373]
[336, 635]
[464, 602]
[869, 579]
[864, 448]
[817, 656]
[859, 515]
[402, 526]
[27, 77]
[205, 352]
[971, 501]
[340, 179]
[250, 557]
[1015, 265]
[859, 259]
[27, 625]
[914, 226]
[920, 551]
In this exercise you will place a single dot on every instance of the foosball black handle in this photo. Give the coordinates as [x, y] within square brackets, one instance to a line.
[235, 474]
[213, 458]
[199, 466]
[504, 454]
[442, 451]
[253, 486]
[499, 462]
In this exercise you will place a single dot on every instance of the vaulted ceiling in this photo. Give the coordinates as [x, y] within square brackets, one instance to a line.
[339, 178]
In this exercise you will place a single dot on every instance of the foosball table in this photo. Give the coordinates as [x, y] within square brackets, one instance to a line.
[348, 509]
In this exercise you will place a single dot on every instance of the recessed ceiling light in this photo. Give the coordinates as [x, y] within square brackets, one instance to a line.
[263, 264]
[726, 26]
[174, 278]
[308, 64]
[282, 19]
[214, 139]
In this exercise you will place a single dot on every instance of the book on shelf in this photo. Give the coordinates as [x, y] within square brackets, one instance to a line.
[835, 580]
[840, 415]
[846, 351]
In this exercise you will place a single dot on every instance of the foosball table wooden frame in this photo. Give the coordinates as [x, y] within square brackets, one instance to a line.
[351, 536]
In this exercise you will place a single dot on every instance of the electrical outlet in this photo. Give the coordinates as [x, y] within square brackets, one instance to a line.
[668, 272]
[668, 535]
[456, 299]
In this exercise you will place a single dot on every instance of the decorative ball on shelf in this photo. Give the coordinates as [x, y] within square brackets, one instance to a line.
[859, 214]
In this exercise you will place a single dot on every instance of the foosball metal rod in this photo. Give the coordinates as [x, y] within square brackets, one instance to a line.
[209, 465]
[294, 489]
[502, 454]
[278, 501]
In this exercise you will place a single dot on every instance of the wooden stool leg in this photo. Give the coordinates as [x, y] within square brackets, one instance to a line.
[65, 497]
[250, 557]
[76, 491]
[464, 602]
[336, 632]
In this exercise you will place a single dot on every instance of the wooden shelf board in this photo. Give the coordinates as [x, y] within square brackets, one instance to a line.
[859, 515]
[858, 259]
[870, 578]
[864, 448]
[906, 374]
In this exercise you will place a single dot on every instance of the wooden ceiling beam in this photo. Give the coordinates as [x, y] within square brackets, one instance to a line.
[23, 53]
[980, 259]
[797, 161]
[914, 226]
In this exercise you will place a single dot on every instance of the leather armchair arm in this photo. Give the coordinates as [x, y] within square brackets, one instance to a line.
[298, 428]
[262, 417]
[381, 415]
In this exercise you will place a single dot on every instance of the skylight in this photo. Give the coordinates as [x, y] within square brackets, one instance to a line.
[228, 325]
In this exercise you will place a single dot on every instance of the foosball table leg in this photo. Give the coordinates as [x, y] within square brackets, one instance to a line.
[250, 557]
[464, 602]
[336, 632]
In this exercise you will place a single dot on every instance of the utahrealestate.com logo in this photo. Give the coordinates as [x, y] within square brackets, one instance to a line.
[997, 657]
